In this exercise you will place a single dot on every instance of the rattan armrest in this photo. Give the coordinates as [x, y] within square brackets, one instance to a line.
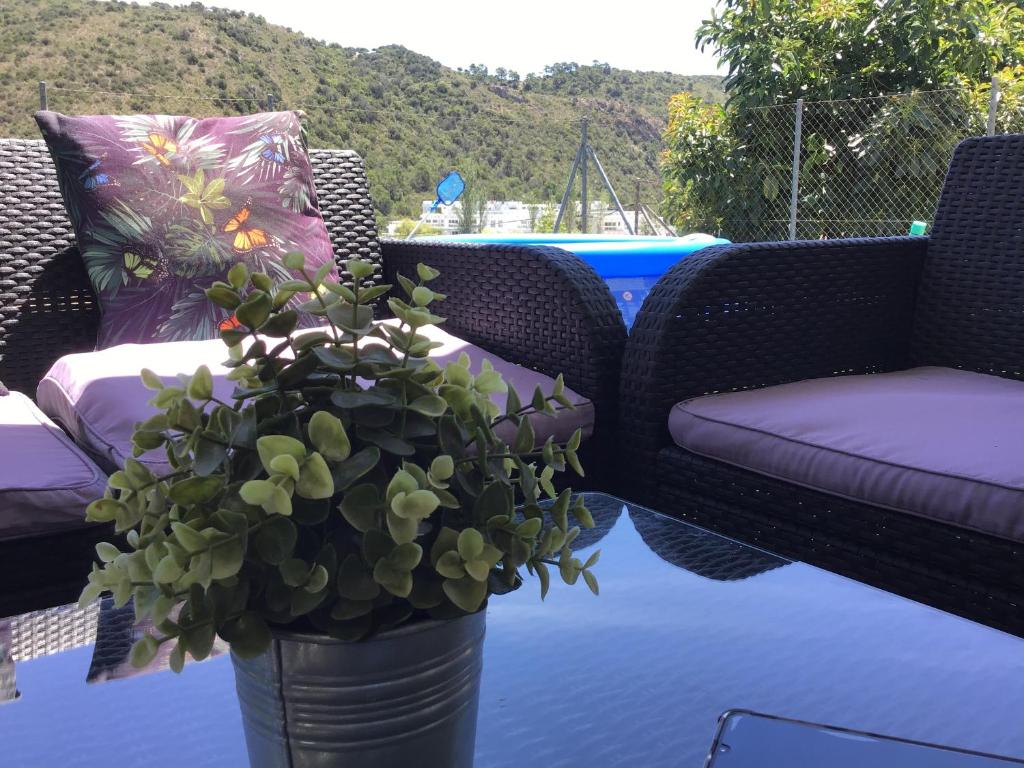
[540, 307]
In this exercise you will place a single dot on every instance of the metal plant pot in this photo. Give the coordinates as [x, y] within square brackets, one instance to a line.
[406, 697]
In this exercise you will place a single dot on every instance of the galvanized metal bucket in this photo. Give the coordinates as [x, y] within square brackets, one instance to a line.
[406, 697]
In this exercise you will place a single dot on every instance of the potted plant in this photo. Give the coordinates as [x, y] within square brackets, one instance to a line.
[351, 490]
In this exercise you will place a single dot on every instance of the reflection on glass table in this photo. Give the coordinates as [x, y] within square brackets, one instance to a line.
[688, 624]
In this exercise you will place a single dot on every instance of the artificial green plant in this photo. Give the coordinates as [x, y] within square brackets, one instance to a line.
[349, 485]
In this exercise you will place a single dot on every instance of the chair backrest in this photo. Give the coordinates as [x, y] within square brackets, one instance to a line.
[47, 307]
[970, 304]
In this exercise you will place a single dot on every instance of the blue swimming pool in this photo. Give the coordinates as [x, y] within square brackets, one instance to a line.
[630, 265]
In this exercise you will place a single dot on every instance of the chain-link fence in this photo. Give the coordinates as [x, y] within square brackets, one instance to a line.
[849, 168]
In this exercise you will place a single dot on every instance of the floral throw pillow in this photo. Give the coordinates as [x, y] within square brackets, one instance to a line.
[164, 206]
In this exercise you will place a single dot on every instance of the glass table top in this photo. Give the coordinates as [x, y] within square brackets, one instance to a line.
[688, 624]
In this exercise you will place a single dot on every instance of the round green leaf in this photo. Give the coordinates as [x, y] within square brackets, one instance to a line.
[249, 635]
[429, 405]
[361, 506]
[238, 275]
[467, 593]
[395, 580]
[442, 467]
[422, 296]
[189, 537]
[271, 446]
[167, 571]
[402, 529]
[355, 581]
[450, 565]
[359, 269]
[107, 552]
[227, 558]
[406, 556]
[151, 380]
[402, 482]
[328, 436]
[144, 651]
[315, 481]
[417, 505]
[195, 490]
[284, 464]
[471, 544]
[223, 296]
[275, 541]
[253, 312]
[317, 579]
[478, 569]
[257, 492]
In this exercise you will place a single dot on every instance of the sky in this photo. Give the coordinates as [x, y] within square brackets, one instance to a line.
[523, 35]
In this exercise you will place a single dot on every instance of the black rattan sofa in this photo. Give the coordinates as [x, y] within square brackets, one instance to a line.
[540, 307]
[740, 317]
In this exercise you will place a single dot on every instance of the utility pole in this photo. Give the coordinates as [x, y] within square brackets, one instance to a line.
[583, 177]
[568, 189]
[584, 155]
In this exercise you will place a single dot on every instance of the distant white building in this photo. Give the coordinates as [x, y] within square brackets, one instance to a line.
[510, 217]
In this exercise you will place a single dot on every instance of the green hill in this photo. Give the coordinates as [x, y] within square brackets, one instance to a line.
[409, 116]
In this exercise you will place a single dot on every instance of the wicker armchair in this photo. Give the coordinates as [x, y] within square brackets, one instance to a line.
[747, 316]
[540, 307]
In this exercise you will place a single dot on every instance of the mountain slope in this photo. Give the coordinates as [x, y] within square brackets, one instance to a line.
[410, 117]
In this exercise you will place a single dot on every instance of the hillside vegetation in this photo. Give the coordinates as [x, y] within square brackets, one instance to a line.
[409, 116]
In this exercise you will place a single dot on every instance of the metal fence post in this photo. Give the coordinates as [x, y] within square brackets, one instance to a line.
[584, 159]
[42, 95]
[993, 103]
[794, 184]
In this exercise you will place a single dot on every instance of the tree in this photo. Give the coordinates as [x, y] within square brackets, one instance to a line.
[545, 221]
[471, 210]
[727, 169]
[595, 220]
[405, 226]
[777, 52]
[570, 219]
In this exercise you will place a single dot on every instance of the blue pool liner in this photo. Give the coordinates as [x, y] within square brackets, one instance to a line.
[630, 265]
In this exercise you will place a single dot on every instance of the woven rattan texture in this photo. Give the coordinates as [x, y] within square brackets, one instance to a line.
[744, 316]
[343, 195]
[971, 304]
[42, 633]
[961, 571]
[700, 552]
[47, 307]
[540, 307]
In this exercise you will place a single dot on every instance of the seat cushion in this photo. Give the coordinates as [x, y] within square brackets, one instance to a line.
[99, 397]
[936, 442]
[46, 481]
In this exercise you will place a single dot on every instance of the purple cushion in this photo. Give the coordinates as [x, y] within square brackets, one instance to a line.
[99, 398]
[163, 206]
[46, 481]
[936, 442]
